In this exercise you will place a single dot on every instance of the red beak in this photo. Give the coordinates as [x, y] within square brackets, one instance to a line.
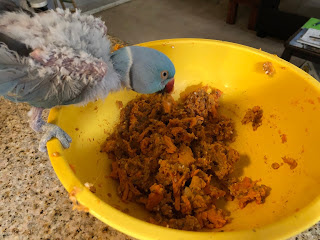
[169, 86]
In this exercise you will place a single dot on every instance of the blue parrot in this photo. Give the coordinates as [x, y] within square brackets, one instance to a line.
[60, 58]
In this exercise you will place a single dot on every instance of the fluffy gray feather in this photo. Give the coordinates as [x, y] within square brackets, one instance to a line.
[71, 62]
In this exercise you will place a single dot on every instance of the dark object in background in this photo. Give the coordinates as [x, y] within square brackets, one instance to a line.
[7, 5]
[38, 5]
[43, 9]
[12, 44]
[15, 45]
[275, 23]
[293, 48]
[233, 8]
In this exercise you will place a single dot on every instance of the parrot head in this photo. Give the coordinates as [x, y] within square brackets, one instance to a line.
[144, 70]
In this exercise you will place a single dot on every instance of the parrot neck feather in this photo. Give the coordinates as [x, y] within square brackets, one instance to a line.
[122, 63]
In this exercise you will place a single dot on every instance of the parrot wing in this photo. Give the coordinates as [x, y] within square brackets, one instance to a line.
[50, 77]
[11, 69]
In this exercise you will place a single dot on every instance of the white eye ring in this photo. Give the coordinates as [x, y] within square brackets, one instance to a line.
[164, 75]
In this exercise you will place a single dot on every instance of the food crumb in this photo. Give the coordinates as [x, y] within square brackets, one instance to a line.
[302, 149]
[290, 161]
[116, 206]
[247, 191]
[126, 210]
[73, 168]
[119, 104]
[55, 154]
[253, 115]
[73, 199]
[90, 187]
[310, 101]
[268, 68]
[295, 102]
[275, 165]
[283, 138]
[117, 47]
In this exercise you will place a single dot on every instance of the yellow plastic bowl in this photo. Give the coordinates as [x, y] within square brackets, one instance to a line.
[290, 100]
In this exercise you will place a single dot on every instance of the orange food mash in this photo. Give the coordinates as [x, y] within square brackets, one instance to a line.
[173, 157]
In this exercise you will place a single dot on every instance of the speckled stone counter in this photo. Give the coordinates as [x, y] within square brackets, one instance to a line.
[33, 203]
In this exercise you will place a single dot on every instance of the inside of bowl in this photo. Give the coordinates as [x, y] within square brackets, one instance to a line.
[291, 106]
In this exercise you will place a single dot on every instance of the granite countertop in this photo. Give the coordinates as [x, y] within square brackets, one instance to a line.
[33, 203]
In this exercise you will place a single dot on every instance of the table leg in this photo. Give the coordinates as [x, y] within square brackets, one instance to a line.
[232, 12]
[286, 55]
[253, 18]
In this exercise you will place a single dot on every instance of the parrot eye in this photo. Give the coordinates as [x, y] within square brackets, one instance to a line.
[164, 75]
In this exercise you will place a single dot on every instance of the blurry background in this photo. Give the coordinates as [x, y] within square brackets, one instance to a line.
[264, 24]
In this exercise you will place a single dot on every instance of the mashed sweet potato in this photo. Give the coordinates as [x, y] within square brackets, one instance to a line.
[173, 157]
[253, 115]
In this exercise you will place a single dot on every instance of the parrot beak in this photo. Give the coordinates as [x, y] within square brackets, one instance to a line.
[169, 86]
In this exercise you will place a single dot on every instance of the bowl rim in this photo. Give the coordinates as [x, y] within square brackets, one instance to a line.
[282, 229]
